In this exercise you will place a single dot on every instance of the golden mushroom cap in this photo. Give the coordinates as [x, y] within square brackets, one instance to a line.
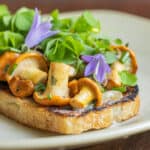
[132, 55]
[50, 101]
[92, 85]
[28, 64]
[35, 56]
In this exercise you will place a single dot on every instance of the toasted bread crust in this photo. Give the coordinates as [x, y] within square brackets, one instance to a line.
[27, 112]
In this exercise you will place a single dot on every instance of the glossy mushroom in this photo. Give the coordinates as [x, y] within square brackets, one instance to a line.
[73, 87]
[113, 77]
[57, 91]
[88, 91]
[30, 66]
[21, 87]
[134, 65]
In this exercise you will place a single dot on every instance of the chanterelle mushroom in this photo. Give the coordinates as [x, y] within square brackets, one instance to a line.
[134, 66]
[88, 91]
[6, 60]
[114, 78]
[73, 87]
[30, 66]
[57, 91]
[20, 87]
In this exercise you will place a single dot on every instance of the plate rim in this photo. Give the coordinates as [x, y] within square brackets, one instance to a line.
[49, 142]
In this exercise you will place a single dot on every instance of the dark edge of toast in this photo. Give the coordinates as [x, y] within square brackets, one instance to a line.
[129, 95]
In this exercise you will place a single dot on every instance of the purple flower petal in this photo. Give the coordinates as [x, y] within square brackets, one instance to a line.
[90, 68]
[101, 72]
[40, 38]
[87, 58]
[38, 31]
[96, 65]
[99, 57]
[36, 22]
[44, 26]
[107, 68]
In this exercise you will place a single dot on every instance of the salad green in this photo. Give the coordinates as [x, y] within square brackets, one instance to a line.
[128, 78]
[76, 36]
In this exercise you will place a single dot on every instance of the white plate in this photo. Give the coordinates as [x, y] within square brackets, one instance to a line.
[133, 29]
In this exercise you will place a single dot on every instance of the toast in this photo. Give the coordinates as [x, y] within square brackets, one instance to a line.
[65, 120]
[61, 76]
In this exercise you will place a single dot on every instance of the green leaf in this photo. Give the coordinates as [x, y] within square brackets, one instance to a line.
[10, 41]
[55, 14]
[57, 51]
[118, 41]
[12, 69]
[73, 44]
[23, 20]
[65, 49]
[121, 88]
[49, 96]
[103, 44]
[7, 48]
[4, 10]
[91, 20]
[80, 67]
[40, 87]
[61, 56]
[110, 57]
[125, 57]
[64, 24]
[5, 18]
[128, 78]
[86, 22]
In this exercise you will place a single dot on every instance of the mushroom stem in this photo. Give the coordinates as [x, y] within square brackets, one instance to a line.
[27, 70]
[83, 98]
[57, 91]
[57, 84]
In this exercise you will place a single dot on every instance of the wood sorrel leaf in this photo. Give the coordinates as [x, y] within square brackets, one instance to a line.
[128, 78]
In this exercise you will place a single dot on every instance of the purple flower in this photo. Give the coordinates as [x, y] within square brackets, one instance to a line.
[38, 31]
[96, 65]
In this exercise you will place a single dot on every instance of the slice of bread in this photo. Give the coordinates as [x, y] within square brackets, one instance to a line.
[65, 120]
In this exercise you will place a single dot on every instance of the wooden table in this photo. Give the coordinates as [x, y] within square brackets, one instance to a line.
[139, 7]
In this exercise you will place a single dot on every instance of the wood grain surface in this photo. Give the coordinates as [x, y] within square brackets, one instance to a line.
[139, 7]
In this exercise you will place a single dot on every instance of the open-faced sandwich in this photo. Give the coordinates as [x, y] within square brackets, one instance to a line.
[60, 74]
